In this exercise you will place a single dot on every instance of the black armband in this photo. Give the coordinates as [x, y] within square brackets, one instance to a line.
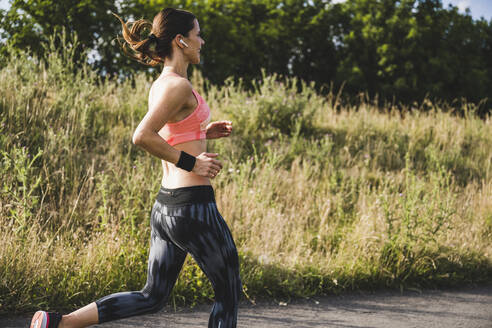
[186, 161]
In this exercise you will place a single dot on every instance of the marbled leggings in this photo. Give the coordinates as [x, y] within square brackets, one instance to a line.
[184, 220]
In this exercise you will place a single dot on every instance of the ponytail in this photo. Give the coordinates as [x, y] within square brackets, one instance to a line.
[153, 49]
[136, 47]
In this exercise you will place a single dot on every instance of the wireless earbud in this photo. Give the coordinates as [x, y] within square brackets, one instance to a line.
[184, 43]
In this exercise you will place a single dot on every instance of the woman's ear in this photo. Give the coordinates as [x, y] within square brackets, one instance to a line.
[177, 39]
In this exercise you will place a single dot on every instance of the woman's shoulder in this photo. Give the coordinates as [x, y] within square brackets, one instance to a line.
[170, 86]
[172, 83]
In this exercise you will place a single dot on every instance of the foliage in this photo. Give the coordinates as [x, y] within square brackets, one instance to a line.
[398, 51]
[412, 49]
[320, 197]
[29, 24]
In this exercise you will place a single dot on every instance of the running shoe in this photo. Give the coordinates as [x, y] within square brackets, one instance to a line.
[43, 319]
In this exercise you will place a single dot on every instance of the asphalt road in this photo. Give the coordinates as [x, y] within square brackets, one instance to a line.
[469, 307]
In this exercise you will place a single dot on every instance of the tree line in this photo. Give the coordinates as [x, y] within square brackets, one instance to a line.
[401, 51]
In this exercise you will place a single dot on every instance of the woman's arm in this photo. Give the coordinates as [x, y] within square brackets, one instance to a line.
[169, 100]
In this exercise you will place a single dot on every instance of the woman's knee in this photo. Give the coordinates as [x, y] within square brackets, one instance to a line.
[155, 302]
[229, 295]
[156, 305]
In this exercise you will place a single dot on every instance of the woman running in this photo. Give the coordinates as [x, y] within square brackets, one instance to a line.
[184, 218]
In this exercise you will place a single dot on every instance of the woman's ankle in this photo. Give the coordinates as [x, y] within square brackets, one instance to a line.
[65, 322]
[80, 318]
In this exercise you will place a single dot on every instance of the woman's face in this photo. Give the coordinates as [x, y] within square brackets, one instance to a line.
[194, 42]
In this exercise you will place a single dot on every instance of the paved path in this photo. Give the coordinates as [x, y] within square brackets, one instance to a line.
[467, 308]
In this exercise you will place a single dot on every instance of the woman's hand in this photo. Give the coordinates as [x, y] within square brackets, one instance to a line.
[206, 165]
[219, 129]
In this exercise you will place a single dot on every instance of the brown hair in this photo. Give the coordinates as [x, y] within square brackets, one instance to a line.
[152, 49]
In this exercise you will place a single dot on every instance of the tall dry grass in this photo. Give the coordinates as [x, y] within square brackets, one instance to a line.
[320, 197]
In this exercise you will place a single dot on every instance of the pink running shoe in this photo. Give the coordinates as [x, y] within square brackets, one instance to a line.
[43, 319]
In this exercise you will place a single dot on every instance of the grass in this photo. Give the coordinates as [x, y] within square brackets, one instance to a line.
[320, 197]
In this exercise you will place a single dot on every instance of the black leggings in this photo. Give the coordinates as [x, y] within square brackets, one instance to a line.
[183, 220]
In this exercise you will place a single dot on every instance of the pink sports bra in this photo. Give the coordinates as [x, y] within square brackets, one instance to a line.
[192, 127]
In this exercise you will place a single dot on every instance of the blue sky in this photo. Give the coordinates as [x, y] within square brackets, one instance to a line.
[479, 8]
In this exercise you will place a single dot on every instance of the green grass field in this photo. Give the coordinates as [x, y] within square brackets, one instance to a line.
[321, 198]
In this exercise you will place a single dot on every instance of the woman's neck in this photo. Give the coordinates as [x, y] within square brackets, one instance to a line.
[176, 67]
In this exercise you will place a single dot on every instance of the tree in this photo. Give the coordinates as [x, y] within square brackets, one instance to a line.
[29, 23]
[411, 49]
[396, 49]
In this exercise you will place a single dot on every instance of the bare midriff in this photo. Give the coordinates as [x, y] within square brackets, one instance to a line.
[174, 177]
